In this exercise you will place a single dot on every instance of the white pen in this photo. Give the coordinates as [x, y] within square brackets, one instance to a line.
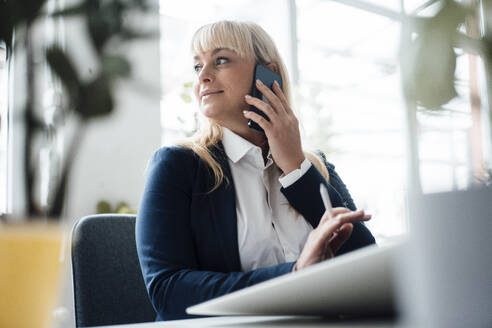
[326, 199]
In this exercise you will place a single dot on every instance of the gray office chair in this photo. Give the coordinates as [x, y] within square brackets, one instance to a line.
[108, 284]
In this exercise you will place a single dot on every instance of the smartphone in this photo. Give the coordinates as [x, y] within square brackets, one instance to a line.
[266, 76]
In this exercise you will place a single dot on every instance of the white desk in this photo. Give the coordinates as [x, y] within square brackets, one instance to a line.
[264, 322]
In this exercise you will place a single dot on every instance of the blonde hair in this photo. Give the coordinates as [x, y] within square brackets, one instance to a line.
[248, 40]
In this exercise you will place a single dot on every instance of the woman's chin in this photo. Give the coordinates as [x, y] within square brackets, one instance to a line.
[223, 117]
[211, 112]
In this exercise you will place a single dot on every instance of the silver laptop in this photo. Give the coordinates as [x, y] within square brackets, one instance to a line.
[359, 283]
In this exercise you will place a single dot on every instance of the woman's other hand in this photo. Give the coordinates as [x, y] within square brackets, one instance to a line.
[282, 131]
[324, 241]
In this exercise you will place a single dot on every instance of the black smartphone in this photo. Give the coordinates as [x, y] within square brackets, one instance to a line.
[266, 76]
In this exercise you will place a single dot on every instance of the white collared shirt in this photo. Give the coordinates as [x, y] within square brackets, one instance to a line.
[269, 230]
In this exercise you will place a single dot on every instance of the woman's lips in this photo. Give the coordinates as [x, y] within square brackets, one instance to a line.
[212, 94]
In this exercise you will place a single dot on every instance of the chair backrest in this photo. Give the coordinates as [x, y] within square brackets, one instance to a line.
[108, 285]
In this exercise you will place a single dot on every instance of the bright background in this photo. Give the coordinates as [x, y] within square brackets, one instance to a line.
[344, 65]
[342, 57]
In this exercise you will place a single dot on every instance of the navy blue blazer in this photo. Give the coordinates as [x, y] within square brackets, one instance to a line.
[187, 237]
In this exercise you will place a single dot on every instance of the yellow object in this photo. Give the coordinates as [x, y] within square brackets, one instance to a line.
[30, 268]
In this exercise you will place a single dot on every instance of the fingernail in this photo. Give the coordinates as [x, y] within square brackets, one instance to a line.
[247, 96]
[276, 83]
[245, 112]
[259, 82]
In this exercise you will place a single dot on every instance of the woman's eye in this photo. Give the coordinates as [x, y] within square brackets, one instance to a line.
[218, 61]
[222, 60]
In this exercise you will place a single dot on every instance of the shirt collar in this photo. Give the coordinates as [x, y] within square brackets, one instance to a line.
[235, 146]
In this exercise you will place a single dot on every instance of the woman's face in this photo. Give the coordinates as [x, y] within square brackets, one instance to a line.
[222, 79]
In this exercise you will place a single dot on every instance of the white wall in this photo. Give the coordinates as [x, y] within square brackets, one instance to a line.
[113, 156]
[115, 150]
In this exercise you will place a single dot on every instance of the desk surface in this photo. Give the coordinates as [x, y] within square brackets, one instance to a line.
[263, 322]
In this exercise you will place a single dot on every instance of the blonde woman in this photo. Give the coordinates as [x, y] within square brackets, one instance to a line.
[232, 207]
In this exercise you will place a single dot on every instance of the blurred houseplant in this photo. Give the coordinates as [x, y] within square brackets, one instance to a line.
[108, 29]
[30, 252]
[428, 65]
[103, 207]
[444, 274]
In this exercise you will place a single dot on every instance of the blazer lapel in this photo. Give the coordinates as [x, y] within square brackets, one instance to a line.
[223, 205]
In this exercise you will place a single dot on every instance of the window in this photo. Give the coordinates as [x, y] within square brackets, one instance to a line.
[4, 127]
[352, 107]
[343, 60]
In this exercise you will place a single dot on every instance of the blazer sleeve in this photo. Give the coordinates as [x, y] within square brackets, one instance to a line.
[165, 245]
[338, 184]
[304, 196]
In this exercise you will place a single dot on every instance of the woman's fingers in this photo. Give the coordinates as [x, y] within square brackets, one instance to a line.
[327, 252]
[261, 105]
[335, 211]
[281, 96]
[262, 122]
[331, 233]
[328, 227]
[340, 237]
[356, 215]
[272, 97]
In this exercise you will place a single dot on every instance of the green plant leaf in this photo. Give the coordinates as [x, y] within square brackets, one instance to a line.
[124, 208]
[129, 34]
[104, 20]
[13, 12]
[32, 122]
[186, 98]
[429, 61]
[64, 69]
[6, 24]
[71, 11]
[116, 66]
[188, 85]
[142, 4]
[24, 10]
[103, 206]
[119, 205]
[95, 99]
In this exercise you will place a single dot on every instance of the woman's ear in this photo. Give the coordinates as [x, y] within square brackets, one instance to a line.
[273, 67]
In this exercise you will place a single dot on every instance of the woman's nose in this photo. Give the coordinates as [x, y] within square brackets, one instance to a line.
[206, 74]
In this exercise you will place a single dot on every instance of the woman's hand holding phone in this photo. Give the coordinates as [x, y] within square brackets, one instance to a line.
[282, 131]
